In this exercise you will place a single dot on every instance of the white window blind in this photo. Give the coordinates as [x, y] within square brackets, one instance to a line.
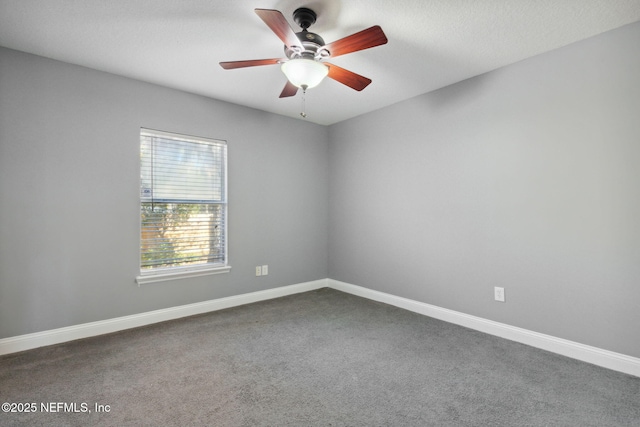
[183, 202]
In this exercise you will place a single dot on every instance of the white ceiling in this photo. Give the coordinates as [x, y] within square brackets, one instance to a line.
[432, 43]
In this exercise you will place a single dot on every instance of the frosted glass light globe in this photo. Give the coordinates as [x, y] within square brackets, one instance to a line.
[305, 73]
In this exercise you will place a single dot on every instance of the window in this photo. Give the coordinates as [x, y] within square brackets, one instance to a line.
[183, 206]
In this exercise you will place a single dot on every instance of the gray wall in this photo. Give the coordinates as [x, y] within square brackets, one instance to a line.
[69, 208]
[527, 177]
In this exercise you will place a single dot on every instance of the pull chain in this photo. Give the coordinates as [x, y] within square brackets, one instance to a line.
[303, 113]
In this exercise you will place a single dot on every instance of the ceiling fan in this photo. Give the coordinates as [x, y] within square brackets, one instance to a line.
[305, 52]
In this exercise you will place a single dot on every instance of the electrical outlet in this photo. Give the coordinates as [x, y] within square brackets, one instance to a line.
[498, 294]
[258, 271]
[265, 270]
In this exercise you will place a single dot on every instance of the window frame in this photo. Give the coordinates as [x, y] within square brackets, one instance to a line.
[160, 274]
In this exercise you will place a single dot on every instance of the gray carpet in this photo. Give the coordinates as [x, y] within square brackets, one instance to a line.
[322, 358]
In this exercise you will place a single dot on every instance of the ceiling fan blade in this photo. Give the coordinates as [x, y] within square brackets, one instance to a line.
[365, 39]
[348, 78]
[279, 25]
[230, 65]
[289, 90]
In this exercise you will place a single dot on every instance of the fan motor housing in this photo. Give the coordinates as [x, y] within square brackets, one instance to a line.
[312, 43]
[307, 37]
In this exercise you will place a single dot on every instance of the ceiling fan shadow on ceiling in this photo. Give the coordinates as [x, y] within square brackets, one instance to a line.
[306, 52]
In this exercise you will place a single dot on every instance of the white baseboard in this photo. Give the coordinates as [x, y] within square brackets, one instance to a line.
[607, 359]
[85, 330]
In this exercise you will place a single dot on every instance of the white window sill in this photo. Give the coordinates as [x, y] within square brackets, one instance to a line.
[175, 274]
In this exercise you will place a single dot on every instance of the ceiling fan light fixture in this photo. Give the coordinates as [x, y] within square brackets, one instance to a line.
[305, 73]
